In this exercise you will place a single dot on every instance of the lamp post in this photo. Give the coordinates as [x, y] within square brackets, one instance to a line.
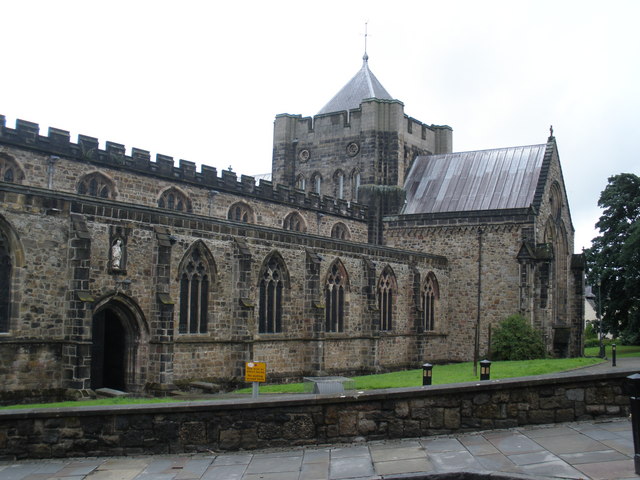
[426, 373]
[485, 370]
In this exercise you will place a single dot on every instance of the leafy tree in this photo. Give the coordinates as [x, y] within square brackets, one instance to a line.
[516, 339]
[613, 261]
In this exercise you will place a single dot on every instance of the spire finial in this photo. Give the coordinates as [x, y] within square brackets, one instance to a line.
[365, 57]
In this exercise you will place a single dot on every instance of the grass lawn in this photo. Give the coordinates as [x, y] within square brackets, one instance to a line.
[621, 351]
[451, 373]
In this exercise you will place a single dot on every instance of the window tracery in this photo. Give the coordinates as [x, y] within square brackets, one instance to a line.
[240, 212]
[96, 185]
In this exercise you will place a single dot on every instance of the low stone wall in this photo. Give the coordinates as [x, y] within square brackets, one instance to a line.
[273, 421]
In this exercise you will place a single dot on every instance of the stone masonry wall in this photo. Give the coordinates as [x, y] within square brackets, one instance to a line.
[51, 289]
[310, 419]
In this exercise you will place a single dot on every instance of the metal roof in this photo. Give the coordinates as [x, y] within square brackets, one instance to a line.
[470, 181]
[363, 85]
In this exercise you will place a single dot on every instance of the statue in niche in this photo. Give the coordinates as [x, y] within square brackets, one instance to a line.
[116, 255]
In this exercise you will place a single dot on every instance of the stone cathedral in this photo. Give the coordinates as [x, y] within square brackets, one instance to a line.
[373, 247]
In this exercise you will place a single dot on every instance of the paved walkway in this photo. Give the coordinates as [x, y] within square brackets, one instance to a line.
[580, 450]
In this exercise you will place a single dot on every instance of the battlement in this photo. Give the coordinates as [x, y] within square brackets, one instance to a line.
[353, 119]
[58, 143]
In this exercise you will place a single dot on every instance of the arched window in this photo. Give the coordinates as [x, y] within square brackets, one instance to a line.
[340, 231]
[316, 182]
[430, 296]
[386, 294]
[301, 182]
[96, 185]
[294, 222]
[334, 297]
[5, 284]
[272, 285]
[355, 184]
[195, 284]
[338, 180]
[174, 199]
[240, 212]
[10, 171]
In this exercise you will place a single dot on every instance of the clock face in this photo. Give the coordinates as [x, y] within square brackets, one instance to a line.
[304, 155]
[353, 149]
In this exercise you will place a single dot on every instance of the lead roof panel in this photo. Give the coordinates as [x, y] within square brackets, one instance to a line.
[496, 179]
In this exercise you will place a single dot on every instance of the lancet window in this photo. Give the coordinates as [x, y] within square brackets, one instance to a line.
[386, 294]
[334, 293]
[272, 285]
[430, 297]
[195, 283]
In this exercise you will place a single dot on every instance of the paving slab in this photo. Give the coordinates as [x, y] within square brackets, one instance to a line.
[533, 457]
[397, 453]
[226, 472]
[512, 443]
[497, 462]
[593, 457]
[454, 462]
[409, 465]
[478, 445]
[439, 445]
[274, 464]
[557, 469]
[570, 444]
[350, 467]
[608, 470]
[314, 471]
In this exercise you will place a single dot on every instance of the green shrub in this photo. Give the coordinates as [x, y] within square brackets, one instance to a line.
[515, 339]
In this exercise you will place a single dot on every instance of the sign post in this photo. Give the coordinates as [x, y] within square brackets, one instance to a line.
[255, 372]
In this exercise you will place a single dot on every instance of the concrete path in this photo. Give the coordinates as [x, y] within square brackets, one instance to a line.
[578, 450]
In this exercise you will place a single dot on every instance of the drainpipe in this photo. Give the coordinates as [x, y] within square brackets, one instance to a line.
[476, 349]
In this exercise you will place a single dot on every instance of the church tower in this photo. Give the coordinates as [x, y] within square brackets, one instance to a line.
[360, 137]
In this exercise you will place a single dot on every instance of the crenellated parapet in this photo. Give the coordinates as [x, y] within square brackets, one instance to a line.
[57, 142]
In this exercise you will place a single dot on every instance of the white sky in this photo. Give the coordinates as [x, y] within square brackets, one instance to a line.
[203, 81]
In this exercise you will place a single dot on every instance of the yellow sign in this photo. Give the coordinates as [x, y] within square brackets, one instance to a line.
[255, 372]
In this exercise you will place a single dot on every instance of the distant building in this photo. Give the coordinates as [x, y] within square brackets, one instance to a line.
[373, 248]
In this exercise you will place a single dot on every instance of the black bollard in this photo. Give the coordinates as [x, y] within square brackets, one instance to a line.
[426, 374]
[632, 388]
[485, 370]
[613, 354]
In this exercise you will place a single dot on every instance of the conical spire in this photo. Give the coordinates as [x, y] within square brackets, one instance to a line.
[362, 86]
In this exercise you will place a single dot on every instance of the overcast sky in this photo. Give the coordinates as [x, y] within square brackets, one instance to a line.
[203, 81]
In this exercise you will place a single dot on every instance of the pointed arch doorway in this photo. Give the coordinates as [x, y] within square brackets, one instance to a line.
[118, 337]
